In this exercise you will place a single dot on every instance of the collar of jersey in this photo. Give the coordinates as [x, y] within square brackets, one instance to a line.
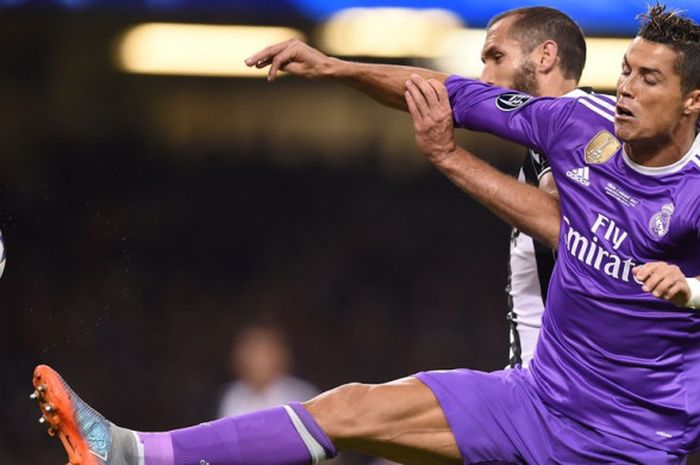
[668, 169]
[579, 92]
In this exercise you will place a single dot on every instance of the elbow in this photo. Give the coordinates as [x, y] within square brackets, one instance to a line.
[552, 239]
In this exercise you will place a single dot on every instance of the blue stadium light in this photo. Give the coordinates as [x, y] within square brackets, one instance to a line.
[597, 17]
[594, 16]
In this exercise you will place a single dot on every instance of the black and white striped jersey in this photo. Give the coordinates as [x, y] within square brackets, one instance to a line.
[531, 265]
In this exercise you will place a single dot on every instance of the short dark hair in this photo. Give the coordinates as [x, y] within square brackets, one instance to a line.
[680, 33]
[537, 24]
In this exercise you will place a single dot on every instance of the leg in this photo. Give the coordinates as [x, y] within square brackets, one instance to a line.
[276, 436]
[400, 421]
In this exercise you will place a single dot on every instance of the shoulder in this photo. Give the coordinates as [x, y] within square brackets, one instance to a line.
[590, 126]
[690, 185]
[594, 106]
[687, 194]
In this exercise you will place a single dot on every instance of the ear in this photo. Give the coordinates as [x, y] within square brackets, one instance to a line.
[692, 102]
[548, 56]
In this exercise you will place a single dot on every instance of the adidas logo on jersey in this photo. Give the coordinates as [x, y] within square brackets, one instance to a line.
[580, 175]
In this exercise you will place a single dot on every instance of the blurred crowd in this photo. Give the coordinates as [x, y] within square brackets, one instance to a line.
[132, 274]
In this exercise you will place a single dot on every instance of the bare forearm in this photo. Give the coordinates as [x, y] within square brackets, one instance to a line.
[526, 207]
[384, 83]
[523, 206]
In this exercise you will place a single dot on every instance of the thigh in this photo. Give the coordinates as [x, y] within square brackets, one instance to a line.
[400, 421]
[495, 417]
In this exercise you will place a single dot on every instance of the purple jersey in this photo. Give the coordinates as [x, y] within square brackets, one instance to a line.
[610, 355]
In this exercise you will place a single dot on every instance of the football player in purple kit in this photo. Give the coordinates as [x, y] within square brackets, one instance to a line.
[616, 372]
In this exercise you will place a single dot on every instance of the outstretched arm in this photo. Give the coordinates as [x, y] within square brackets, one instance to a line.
[523, 206]
[384, 83]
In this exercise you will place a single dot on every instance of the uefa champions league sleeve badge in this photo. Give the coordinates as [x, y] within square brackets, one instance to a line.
[510, 101]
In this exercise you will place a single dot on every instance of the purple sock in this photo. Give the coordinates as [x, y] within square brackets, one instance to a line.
[157, 448]
[279, 436]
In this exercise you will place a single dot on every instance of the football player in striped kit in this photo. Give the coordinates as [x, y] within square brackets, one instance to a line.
[536, 50]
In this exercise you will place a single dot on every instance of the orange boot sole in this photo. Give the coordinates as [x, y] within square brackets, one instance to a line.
[57, 407]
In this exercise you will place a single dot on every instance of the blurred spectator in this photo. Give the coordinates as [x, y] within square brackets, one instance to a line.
[260, 362]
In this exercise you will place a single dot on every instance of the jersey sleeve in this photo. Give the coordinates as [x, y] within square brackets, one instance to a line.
[533, 122]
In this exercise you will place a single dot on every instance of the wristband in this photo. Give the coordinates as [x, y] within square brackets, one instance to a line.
[694, 301]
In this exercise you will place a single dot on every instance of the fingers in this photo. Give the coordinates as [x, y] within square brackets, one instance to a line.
[662, 286]
[662, 280]
[643, 272]
[292, 56]
[278, 62]
[418, 98]
[650, 275]
[426, 89]
[678, 289]
[440, 90]
[275, 56]
[265, 56]
[412, 108]
[263, 63]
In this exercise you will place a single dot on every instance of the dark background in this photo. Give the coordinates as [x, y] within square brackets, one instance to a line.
[147, 219]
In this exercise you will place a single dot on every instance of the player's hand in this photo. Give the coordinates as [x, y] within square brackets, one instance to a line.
[664, 281]
[292, 56]
[430, 109]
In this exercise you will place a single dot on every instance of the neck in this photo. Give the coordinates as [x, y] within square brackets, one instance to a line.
[665, 149]
[555, 85]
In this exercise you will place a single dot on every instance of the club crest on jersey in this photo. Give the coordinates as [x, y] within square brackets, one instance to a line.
[660, 222]
[601, 148]
[511, 100]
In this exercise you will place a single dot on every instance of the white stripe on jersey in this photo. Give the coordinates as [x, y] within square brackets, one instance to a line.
[543, 172]
[607, 105]
[576, 93]
[604, 98]
[595, 109]
[525, 289]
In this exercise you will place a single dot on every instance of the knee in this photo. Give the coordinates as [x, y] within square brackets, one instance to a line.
[342, 412]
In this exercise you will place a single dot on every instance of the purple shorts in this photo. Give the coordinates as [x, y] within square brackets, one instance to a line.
[498, 418]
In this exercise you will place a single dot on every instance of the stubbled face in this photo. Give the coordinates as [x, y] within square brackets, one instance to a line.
[505, 64]
[649, 95]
